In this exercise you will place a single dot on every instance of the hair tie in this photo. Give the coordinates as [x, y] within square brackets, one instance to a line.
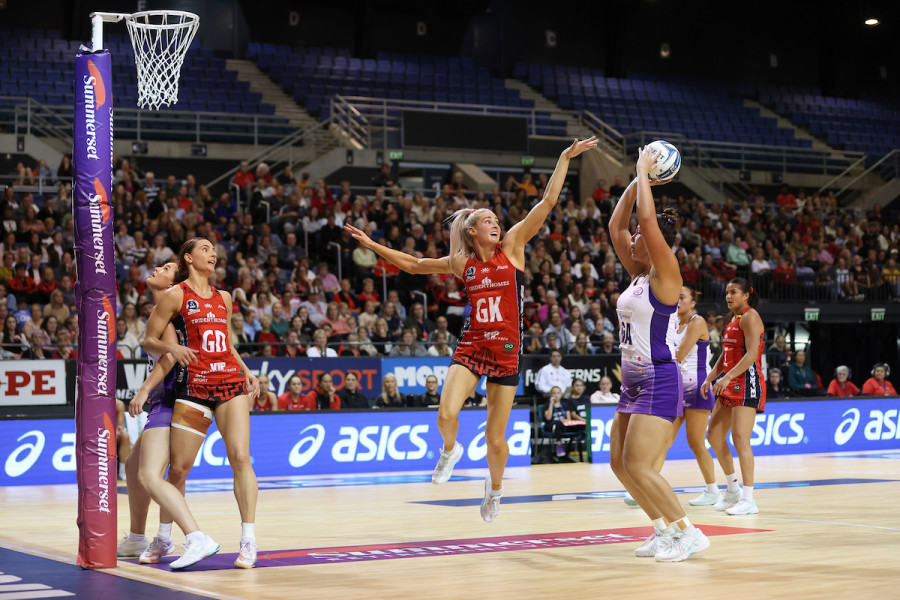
[669, 219]
[751, 289]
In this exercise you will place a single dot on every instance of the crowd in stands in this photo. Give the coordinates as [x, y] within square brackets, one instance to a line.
[276, 248]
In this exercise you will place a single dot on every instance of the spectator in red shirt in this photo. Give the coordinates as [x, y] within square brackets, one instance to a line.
[293, 399]
[243, 177]
[601, 191]
[323, 397]
[265, 335]
[321, 196]
[877, 385]
[785, 198]
[23, 286]
[345, 296]
[841, 385]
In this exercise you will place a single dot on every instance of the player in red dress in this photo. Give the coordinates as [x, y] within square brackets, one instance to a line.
[741, 393]
[491, 265]
[214, 378]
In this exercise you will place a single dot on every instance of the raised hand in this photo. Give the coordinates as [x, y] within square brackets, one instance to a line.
[647, 157]
[359, 235]
[579, 146]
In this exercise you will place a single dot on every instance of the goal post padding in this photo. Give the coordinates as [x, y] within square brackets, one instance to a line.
[95, 299]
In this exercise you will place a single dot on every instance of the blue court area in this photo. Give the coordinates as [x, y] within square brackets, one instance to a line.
[621, 493]
[33, 577]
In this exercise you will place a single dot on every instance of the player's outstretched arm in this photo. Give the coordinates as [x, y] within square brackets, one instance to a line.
[162, 314]
[407, 262]
[516, 238]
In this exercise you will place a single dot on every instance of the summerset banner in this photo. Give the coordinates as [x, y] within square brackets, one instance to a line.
[95, 411]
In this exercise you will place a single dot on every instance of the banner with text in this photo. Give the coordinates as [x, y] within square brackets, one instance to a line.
[42, 452]
[32, 382]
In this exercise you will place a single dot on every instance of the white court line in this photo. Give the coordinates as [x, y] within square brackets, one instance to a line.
[119, 572]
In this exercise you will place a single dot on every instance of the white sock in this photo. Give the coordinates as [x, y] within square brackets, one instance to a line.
[660, 524]
[135, 537]
[748, 493]
[247, 531]
[165, 532]
[196, 537]
[672, 528]
[496, 493]
[712, 488]
[688, 527]
[121, 470]
[731, 480]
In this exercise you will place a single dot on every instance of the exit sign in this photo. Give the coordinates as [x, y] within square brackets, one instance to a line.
[810, 314]
[878, 314]
[527, 161]
[396, 154]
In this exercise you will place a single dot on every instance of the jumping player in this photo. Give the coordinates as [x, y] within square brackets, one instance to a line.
[491, 265]
[214, 380]
[651, 397]
[741, 393]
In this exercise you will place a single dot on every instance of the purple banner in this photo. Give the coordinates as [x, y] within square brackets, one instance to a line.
[95, 298]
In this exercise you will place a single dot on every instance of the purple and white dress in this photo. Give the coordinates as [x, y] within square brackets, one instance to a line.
[651, 379]
[162, 397]
[694, 369]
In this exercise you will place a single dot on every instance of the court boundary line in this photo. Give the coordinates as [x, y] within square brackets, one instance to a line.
[120, 572]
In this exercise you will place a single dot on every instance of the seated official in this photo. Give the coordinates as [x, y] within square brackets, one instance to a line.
[431, 397]
[390, 397]
[554, 412]
[877, 384]
[841, 385]
[576, 402]
[605, 395]
[349, 395]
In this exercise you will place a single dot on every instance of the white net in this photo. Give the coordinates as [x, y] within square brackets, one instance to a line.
[160, 39]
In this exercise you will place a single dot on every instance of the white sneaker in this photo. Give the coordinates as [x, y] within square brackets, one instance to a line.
[683, 546]
[728, 500]
[247, 556]
[194, 553]
[650, 546]
[157, 549]
[128, 549]
[490, 505]
[707, 498]
[448, 460]
[744, 507]
[629, 500]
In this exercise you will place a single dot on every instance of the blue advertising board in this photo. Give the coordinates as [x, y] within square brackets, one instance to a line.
[42, 452]
[792, 428]
[412, 372]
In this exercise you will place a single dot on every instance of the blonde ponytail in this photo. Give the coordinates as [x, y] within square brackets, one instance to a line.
[460, 222]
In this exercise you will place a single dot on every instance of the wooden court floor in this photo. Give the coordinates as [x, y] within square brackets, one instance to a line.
[828, 527]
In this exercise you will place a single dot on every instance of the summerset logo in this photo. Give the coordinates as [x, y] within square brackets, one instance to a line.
[94, 99]
[106, 453]
[99, 207]
[106, 337]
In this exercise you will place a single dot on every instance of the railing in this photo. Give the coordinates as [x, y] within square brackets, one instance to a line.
[745, 157]
[376, 119]
[30, 117]
[40, 185]
[280, 151]
[888, 167]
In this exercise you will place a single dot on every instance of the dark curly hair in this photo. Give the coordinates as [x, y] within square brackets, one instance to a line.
[669, 222]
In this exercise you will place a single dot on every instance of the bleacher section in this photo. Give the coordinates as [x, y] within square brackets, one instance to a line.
[37, 64]
[312, 75]
[865, 125]
[696, 109]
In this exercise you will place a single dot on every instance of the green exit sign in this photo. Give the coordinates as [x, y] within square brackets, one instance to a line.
[396, 154]
[878, 314]
[527, 161]
[810, 314]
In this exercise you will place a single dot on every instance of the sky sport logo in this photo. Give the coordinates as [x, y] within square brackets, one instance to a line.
[94, 99]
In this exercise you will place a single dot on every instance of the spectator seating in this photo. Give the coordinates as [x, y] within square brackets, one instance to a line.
[38, 65]
[313, 75]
